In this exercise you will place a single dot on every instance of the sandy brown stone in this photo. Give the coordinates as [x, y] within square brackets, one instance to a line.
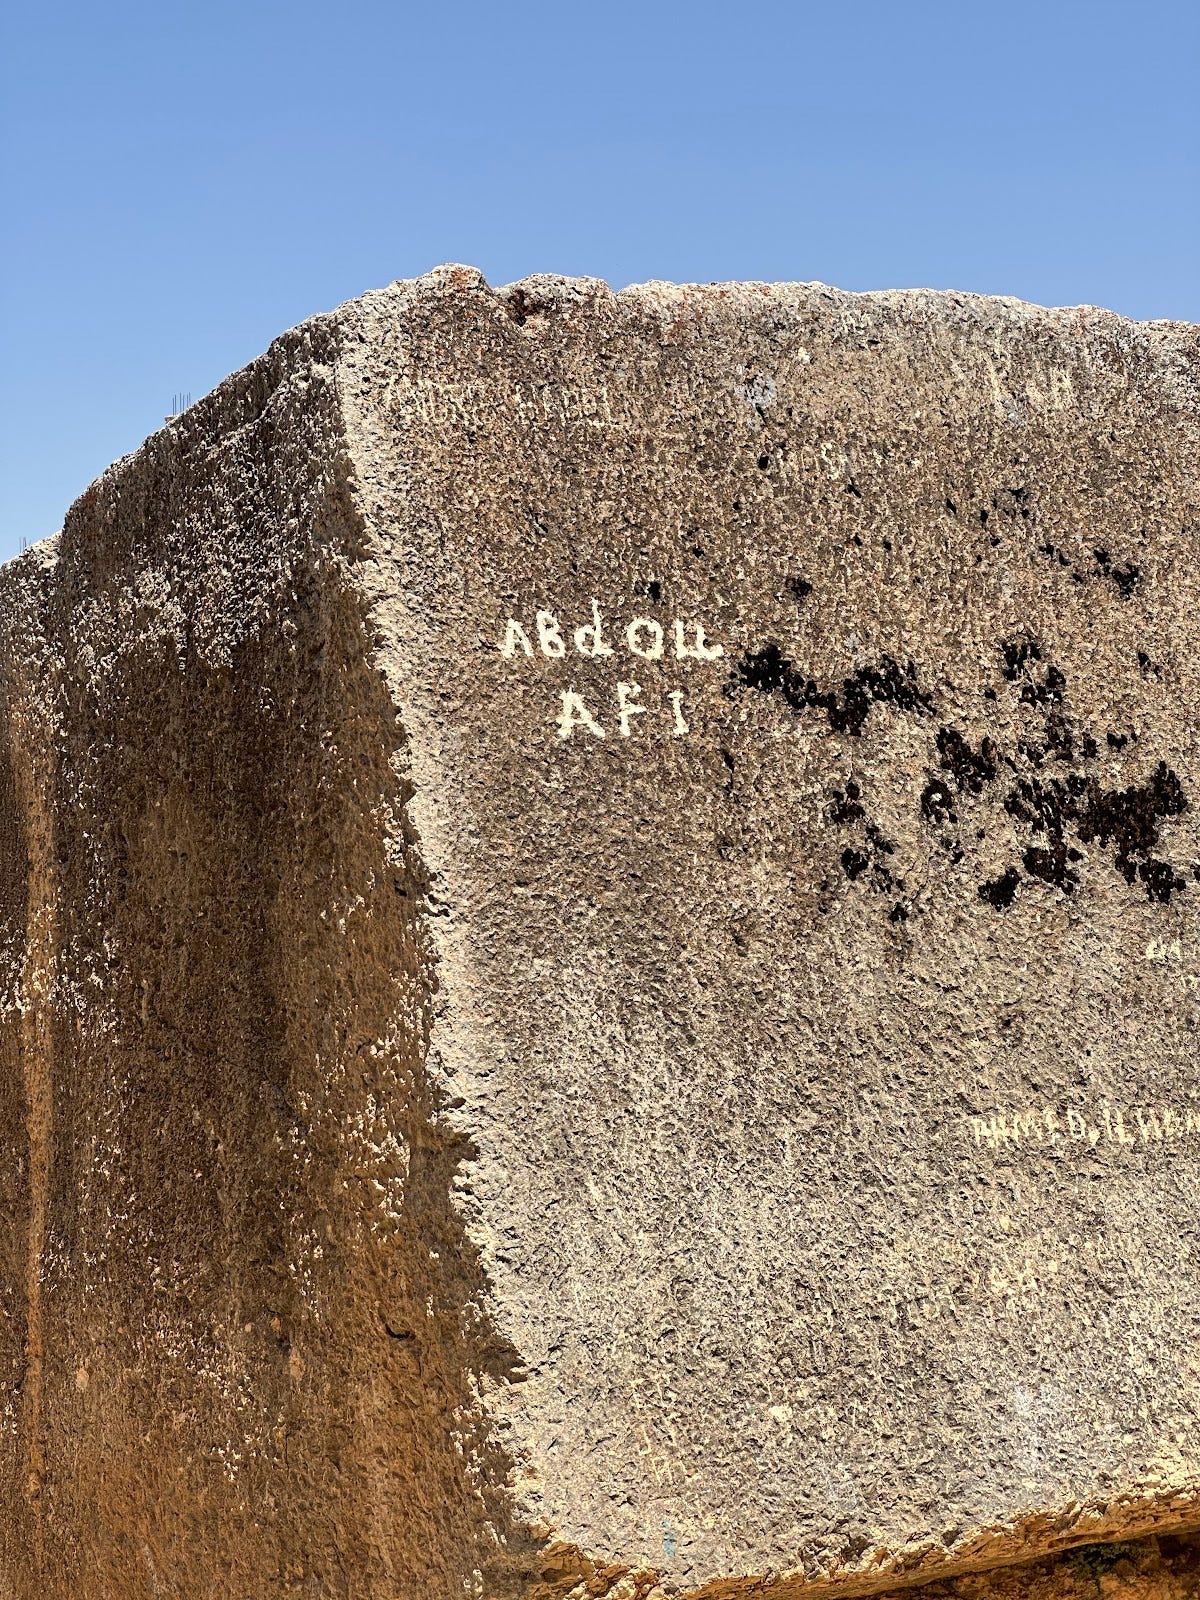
[599, 962]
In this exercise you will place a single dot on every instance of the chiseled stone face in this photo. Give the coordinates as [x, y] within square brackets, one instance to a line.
[599, 957]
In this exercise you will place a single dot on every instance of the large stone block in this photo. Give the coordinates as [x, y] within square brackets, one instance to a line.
[599, 957]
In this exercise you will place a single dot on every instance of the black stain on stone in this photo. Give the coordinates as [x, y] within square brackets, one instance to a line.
[847, 810]
[1160, 878]
[1125, 577]
[1048, 692]
[1060, 741]
[847, 805]
[1061, 811]
[880, 871]
[1000, 892]
[854, 863]
[1055, 554]
[1018, 653]
[1053, 865]
[769, 671]
[937, 802]
[1129, 818]
[1125, 820]
[1064, 812]
[970, 769]
[1015, 503]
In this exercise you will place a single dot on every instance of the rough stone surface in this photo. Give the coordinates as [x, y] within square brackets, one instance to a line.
[506, 1094]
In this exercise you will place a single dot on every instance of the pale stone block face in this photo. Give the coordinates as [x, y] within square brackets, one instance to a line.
[599, 958]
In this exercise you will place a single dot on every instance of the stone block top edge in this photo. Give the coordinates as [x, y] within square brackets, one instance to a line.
[544, 292]
[37, 558]
[540, 296]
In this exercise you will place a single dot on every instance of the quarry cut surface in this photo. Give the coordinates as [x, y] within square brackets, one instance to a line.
[599, 961]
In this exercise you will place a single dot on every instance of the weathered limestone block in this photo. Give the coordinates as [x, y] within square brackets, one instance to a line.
[598, 960]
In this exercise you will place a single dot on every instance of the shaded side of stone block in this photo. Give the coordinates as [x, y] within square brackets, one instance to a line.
[243, 1354]
[27, 939]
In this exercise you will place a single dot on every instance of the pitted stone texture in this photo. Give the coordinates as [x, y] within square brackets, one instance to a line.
[601, 957]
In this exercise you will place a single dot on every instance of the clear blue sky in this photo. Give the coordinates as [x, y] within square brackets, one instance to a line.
[182, 182]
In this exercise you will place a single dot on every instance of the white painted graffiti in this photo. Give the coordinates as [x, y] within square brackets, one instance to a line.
[547, 637]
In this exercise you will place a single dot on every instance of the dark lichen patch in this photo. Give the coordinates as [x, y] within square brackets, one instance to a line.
[769, 671]
[1001, 892]
[1055, 554]
[970, 769]
[1129, 818]
[1060, 740]
[1057, 743]
[1018, 653]
[877, 841]
[846, 809]
[1053, 865]
[881, 874]
[1015, 503]
[1161, 879]
[1098, 1559]
[1126, 820]
[846, 806]
[1048, 692]
[1125, 577]
[937, 802]
[1061, 811]
[854, 863]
